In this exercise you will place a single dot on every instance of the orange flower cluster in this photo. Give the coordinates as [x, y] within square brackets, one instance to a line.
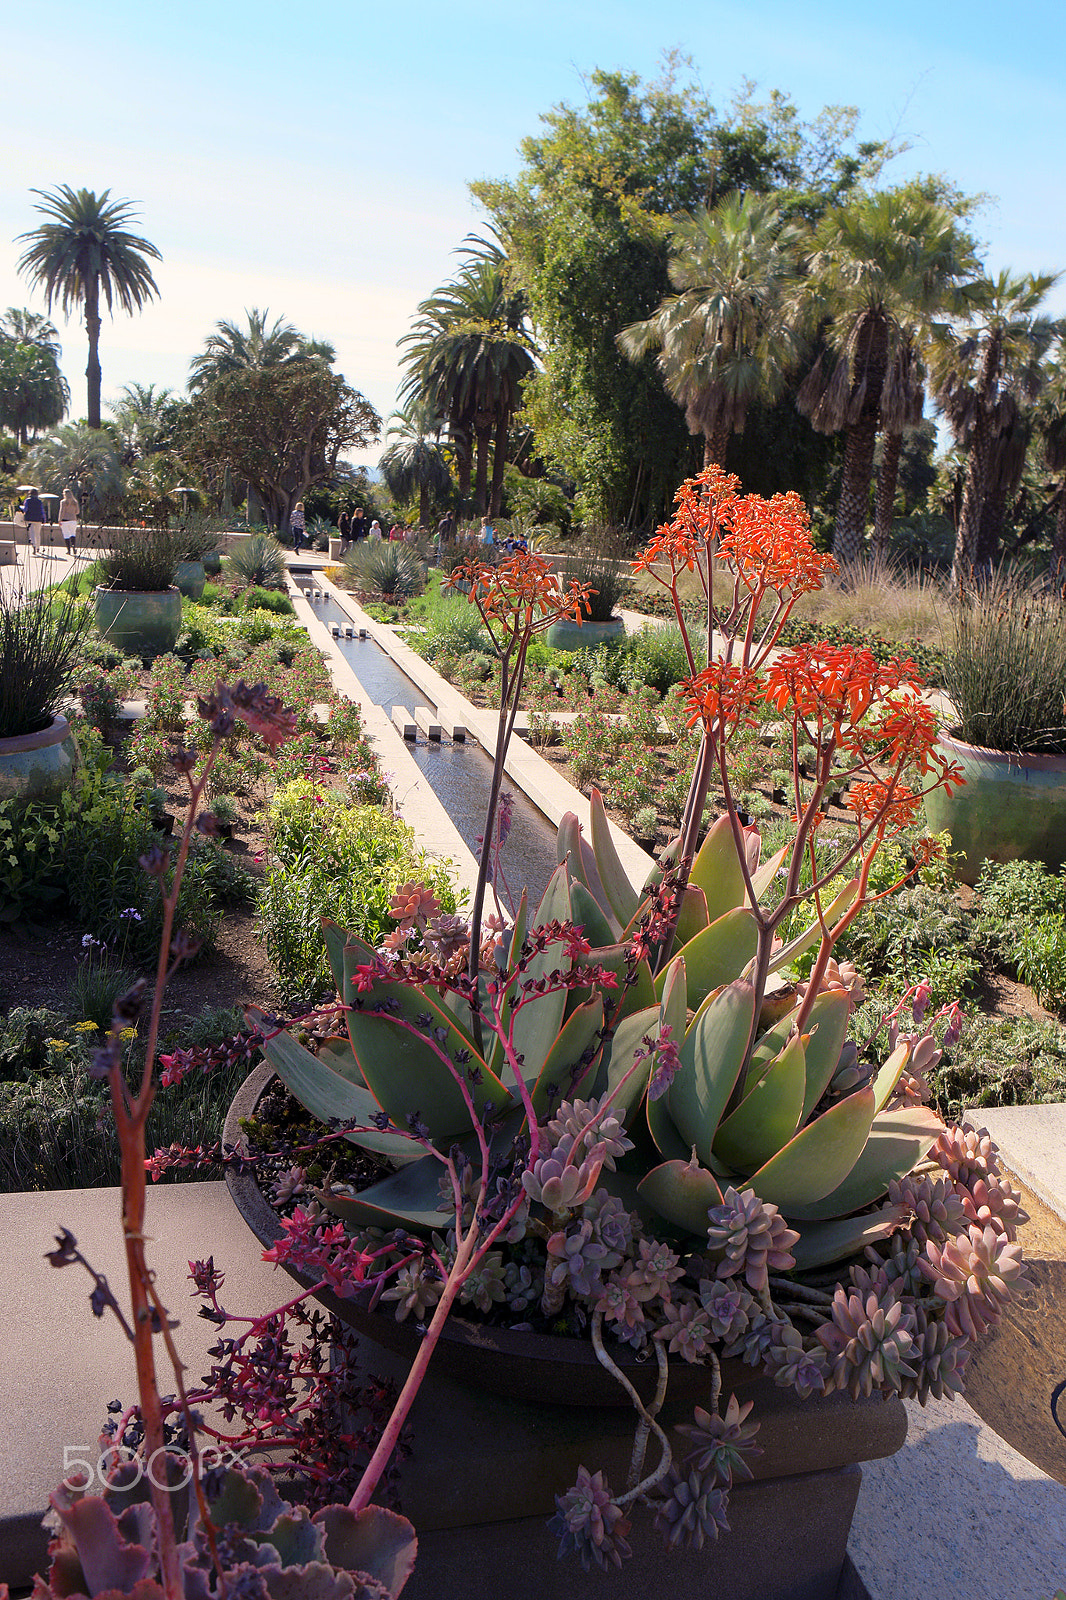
[766, 542]
[724, 695]
[832, 687]
[522, 592]
[704, 504]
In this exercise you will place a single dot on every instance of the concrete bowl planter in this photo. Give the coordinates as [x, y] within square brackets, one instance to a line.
[38, 766]
[212, 563]
[1010, 808]
[569, 635]
[142, 623]
[190, 578]
[505, 1418]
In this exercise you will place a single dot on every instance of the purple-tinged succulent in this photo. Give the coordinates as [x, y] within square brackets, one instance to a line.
[750, 1237]
[975, 1275]
[687, 1332]
[938, 1208]
[579, 1121]
[993, 1200]
[486, 1286]
[722, 1445]
[794, 1366]
[416, 1289]
[576, 1262]
[655, 1269]
[688, 1511]
[589, 1522]
[729, 1307]
[940, 1357]
[868, 1342]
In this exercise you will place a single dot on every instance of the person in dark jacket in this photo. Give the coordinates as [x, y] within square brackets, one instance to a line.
[36, 517]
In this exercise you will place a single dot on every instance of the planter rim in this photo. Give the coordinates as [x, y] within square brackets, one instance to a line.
[584, 1380]
[106, 588]
[57, 730]
[1006, 758]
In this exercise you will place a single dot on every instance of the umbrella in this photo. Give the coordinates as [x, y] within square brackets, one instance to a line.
[49, 497]
[25, 488]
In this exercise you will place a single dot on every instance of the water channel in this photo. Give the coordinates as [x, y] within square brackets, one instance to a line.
[459, 774]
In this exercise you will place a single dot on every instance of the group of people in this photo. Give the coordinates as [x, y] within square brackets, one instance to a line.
[353, 526]
[35, 516]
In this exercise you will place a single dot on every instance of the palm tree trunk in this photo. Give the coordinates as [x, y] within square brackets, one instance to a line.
[885, 498]
[423, 506]
[499, 462]
[715, 445]
[967, 538]
[853, 505]
[482, 440]
[92, 326]
[1058, 550]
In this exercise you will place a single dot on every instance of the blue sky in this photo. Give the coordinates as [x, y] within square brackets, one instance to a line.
[314, 158]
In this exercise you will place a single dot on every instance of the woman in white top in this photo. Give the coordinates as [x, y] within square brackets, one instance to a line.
[69, 510]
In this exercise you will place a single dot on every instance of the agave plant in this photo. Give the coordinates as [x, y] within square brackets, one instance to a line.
[390, 569]
[258, 563]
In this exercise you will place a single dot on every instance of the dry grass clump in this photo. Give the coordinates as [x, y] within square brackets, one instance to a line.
[879, 597]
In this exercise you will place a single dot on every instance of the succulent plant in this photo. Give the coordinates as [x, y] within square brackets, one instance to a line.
[105, 1545]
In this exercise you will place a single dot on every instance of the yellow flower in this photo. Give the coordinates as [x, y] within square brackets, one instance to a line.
[127, 1034]
[58, 1044]
[85, 1027]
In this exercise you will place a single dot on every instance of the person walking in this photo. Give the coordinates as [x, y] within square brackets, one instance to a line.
[297, 525]
[344, 529]
[69, 511]
[34, 513]
[445, 529]
[359, 525]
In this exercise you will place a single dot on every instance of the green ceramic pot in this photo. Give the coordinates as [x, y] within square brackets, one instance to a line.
[213, 563]
[38, 766]
[569, 635]
[1011, 808]
[143, 623]
[190, 578]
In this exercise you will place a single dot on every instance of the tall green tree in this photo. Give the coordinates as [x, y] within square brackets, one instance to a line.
[144, 420]
[879, 271]
[84, 250]
[989, 371]
[231, 348]
[415, 462]
[724, 341]
[33, 391]
[281, 429]
[82, 458]
[468, 356]
[588, 222]
[1051, 425]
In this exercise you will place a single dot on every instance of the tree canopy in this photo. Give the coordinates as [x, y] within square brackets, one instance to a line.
[279, 428]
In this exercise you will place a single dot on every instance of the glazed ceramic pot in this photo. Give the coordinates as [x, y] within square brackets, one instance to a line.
[569, 635]
[1011, 807]
[38, 766]
[190, 578]
[145, 623]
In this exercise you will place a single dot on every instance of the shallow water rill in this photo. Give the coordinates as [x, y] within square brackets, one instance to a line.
[459, 774]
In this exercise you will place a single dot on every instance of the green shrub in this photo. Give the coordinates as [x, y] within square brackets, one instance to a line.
[259, 599]
[259, 563]
[389, 569]
[330, 859]
[1005, 669]
[657, 656]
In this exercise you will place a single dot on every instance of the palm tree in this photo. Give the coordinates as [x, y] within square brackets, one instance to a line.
[33, 391]
[143, 420]
[82, 250]
[415, 460]
[880, 269]
[723, 342]
[80, 457]
[987, 374]
[234, 349]
[469, 354]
